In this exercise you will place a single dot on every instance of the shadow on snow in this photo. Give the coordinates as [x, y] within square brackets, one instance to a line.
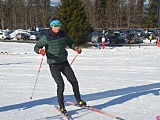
[29, 104]
[14, 63]
[123, 95]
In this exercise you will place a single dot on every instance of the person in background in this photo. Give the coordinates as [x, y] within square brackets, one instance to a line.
[103, 42]
[55, 41]
[150, 38]
[98, 42]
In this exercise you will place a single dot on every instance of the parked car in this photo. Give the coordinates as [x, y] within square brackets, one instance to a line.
[113, 39]
[133, 38]
[153, 31]
[33, 35]
[2, 36]
[146, 38]
[148, 34]
[140, 32]
[22, 36]
[8, 37]
[41, 33]
[94, 38]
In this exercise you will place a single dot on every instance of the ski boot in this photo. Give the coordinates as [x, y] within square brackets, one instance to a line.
[64, 111]
[82, 103]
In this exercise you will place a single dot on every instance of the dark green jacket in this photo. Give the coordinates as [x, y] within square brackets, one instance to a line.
[55, 46]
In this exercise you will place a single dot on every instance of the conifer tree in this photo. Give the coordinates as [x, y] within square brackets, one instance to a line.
[74, 20]
[151, 18]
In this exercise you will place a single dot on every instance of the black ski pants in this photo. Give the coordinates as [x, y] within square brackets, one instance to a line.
[66, 70]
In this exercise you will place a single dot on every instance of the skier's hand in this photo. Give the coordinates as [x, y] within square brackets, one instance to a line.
[78, 50]
[42, 52]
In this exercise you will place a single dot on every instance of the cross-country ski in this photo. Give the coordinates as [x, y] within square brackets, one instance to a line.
[64, 115]
[94, 109]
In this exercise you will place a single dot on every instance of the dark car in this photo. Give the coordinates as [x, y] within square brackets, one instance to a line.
[41, 33]
[133, 38]
[153, 31]
[148, 34]
[113, 39]
[140, 32]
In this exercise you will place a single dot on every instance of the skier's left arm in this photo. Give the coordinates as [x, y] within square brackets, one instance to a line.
[73, 46]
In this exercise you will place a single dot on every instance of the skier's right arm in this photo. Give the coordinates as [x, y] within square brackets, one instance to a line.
[38, 48]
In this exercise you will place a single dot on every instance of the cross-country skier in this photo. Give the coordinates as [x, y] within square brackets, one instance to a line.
[55, 42]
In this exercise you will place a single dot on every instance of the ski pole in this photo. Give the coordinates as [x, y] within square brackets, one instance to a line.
[37, 76]
[74, 59]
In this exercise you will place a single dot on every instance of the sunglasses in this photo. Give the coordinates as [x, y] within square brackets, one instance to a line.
[57, 25]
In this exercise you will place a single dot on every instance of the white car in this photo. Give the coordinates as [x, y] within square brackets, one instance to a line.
[2, 36]
[33, 35]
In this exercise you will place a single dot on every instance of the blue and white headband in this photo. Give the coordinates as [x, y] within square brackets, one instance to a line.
[55, 23]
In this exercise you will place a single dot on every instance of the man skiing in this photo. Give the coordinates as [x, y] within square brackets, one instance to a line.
[55, 42]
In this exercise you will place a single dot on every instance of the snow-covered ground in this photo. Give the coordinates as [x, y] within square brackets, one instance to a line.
[118, 80]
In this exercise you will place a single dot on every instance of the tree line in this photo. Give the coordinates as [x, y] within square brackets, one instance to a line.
[102, 13]
[122, 13]
[24, 14]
